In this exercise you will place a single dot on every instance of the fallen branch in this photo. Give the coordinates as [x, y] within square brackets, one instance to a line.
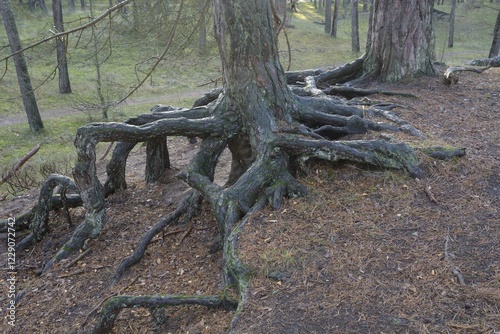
[107, 151]
[21, 162]
[450, 77]
[24, 220]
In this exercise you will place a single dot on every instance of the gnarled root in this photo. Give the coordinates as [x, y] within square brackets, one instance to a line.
[114, 305]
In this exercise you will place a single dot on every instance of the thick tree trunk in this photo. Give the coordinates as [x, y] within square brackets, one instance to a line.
[255, 89]
[401, 40]
[23, 77]
[495, 45]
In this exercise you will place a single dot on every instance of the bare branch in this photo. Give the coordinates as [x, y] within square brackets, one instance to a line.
[71, 31]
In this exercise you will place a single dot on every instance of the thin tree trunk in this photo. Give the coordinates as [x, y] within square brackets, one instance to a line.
[23, 77]
[335, 18]
[328, 16]
[202, 32]
[354, 26]
[452, 23]
[97, 64]
[495, 45]
[62, 63]
[71, 5]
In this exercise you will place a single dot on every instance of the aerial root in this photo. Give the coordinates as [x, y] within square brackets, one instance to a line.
[114, 305]
[187, 207]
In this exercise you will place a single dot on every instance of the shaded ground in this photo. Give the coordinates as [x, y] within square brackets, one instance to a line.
[367, 251]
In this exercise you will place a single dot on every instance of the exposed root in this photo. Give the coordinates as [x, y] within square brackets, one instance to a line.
[57, 202]
[114, 305]
[40, 215]
[444, 153]
[187, 207]
[378, 153]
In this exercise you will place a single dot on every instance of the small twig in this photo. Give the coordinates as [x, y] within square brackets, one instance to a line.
[455, 270]
[188, 230]
[78, 258]
[430, 194]
[107, 151]
[20, 164]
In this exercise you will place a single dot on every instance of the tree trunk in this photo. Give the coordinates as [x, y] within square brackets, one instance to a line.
[495, 45]
[328, 16]
[62, 64]
[401, 40]
[452, 23]
[71, 5]
[354, 26]
[335, 18]
[23, 77]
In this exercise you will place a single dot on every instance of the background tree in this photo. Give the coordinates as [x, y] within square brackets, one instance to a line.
[401, 40]
[61, 49]
[495, 45]
[354, 26]
[23, 77]
[452, 23]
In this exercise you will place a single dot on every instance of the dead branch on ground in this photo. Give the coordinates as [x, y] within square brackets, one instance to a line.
[450, 77]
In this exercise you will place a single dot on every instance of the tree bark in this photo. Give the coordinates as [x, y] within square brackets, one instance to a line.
[495, 45]
[401, 40]
[23, 77]
[62, 63]
[335, 18]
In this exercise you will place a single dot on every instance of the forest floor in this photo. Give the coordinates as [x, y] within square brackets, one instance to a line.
[368, 251]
